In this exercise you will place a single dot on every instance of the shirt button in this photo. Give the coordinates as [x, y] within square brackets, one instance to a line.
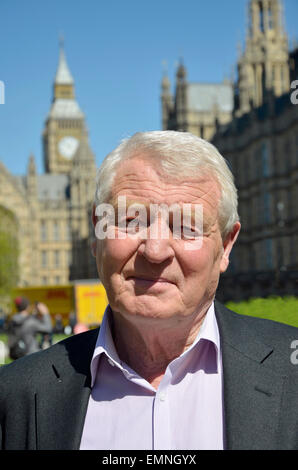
[111, 362]
[162, 396]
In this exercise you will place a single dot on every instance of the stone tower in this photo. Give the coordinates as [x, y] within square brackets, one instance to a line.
[166, 101]
[264, 65]
[65, 124]
[195, 107]
[82, 189]
[181, 98]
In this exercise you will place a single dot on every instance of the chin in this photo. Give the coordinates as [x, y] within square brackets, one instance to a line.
[146, 307]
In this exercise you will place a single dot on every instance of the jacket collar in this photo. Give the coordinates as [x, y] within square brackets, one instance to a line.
[253, 384]
[61, 409]
[252, 388]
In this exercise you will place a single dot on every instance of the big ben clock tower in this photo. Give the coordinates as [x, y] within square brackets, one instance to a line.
[65, 124]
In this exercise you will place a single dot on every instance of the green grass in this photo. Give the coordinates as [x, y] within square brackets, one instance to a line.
[3, 339]
[283, 310]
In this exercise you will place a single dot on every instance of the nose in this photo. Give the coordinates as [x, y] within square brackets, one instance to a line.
[156, 251]
[157, 247]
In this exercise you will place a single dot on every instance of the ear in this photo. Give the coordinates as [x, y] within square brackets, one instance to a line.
[228, 245]
[93, 248]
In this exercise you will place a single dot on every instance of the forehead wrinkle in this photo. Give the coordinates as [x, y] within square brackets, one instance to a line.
[167, 190]
[156, 183]
[215, 196]
[130, 202]
[151, 172]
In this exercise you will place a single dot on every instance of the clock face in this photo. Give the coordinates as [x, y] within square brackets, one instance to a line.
[68, 146]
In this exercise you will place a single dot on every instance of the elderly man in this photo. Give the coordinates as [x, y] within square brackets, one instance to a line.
[170, 368]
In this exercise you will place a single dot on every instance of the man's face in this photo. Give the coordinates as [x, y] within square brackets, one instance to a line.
[159, 278]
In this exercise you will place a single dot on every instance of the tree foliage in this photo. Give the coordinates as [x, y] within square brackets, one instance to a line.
[8, 252]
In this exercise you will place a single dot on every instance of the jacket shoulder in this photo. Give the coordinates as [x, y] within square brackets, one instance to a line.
[29, 371]
[277, 334]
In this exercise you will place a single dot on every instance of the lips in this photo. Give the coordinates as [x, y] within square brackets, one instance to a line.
[148, 279]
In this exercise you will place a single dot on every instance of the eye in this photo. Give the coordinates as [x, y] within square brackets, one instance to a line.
[190, 232]
[132, 224]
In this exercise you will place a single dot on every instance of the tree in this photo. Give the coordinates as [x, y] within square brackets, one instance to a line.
[8, 254]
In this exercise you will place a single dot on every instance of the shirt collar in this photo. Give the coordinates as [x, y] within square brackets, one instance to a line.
[105, 343]
[208, 331]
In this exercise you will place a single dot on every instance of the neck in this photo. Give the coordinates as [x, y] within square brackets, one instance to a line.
[149, 345]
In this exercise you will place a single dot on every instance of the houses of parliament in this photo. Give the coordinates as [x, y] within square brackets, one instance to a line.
[50, 212]
[251, 120]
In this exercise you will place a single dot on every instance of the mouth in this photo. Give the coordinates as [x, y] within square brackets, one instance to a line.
[150, 280]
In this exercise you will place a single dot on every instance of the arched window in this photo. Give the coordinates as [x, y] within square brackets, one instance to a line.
[261, 17]
[270, 17]
[56, 231]
[43, 231]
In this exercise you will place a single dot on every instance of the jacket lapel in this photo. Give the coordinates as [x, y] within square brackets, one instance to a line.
[61, 403]
[253, 384]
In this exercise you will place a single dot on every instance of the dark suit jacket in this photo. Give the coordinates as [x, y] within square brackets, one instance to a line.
[44, 396]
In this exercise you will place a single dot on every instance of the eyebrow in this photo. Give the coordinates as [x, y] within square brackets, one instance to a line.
[130, 202]
[147, 205]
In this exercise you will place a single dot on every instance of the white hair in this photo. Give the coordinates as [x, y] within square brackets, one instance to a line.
[180, 155]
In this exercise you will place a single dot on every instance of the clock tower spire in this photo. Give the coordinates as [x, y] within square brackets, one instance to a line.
[65, 125]
[64, 82]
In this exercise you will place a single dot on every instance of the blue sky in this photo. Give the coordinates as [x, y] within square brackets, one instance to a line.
[115, 51]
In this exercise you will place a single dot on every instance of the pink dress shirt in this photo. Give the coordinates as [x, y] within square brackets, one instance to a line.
[185, 412]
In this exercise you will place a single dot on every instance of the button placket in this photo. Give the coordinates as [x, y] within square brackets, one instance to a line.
[162, 431]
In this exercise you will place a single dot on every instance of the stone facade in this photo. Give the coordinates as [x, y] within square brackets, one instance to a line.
[52, 210]
[260, 142]
[261, 145]
[262, 149]
[196, 107]
[294, 65]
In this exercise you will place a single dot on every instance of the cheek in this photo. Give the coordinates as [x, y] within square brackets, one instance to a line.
[114, 254]
[198, 263]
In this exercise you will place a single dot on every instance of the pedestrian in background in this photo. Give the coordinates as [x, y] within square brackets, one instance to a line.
[24, 328]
